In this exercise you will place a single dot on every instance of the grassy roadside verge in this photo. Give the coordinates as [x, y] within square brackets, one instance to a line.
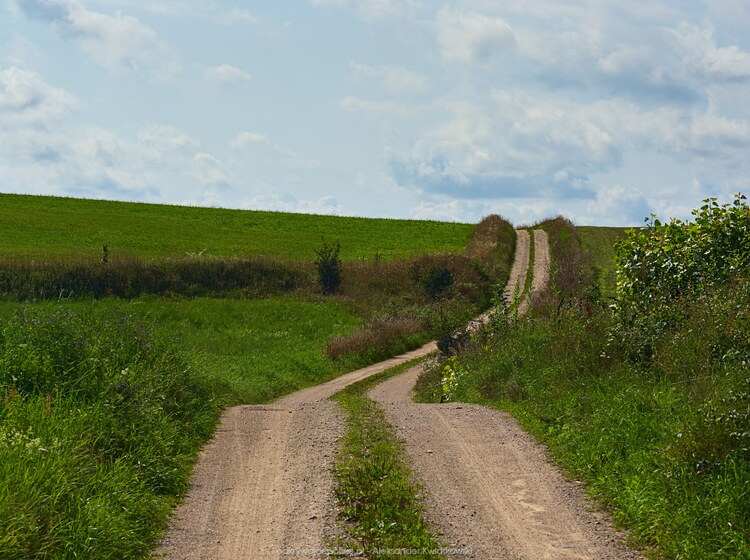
[104, 405]
[99, 422]
[530, 269]
[654, 418]
[378, 501]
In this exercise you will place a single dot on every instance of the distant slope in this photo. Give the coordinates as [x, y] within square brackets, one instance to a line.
[52, 227]
[600, 241]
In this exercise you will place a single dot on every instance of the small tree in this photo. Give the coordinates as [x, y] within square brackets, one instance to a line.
[328, 264]
[436, 281]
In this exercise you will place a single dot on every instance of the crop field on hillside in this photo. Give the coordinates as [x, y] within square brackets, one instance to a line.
[56, 228]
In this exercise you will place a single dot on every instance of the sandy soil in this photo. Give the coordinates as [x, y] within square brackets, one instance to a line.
[263, 486]
[491, 491]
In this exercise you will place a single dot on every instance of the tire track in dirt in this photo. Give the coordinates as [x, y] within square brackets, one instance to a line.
[492, 491]
[263, 486]
[520, 268]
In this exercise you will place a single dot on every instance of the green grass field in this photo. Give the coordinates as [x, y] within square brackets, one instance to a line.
[599, 242]
[104, 402]
[56, 228]
[261, 348]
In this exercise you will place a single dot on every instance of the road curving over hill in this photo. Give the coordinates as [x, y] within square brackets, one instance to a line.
[492, 492]
[263, 486]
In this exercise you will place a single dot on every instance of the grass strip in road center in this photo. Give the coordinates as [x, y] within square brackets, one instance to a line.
[376, 497]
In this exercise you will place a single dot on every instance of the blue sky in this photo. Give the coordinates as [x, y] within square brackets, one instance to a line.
[604, 111]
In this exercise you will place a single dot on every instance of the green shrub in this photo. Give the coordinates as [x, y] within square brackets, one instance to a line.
[98, 424]
[664, 262]
[435, 282]
[328, 265]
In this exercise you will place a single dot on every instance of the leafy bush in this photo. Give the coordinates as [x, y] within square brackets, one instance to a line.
[435, 282]
[664, 262]
[328, 264]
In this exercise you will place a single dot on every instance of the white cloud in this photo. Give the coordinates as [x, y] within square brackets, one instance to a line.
[245, 139]
[615, 206]
[518, 145]
[166, 138]
[703, 56]
[472, 37]
[451, 211]
[395, 79]
[256, 144]
[25, 97]
[237, 16]
[356, 104]
[226, 75]
[159, 163]
[209, 170]
[119, 42]
[372, 9]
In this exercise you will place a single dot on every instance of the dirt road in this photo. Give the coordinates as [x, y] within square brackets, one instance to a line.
[491, 490]
[263, 487]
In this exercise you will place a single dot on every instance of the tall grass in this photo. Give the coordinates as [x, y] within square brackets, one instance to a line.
[662, 438]
[98, 423]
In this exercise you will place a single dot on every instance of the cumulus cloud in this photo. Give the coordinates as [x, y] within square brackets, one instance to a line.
[395, 79]
[702, 55]
[26, 98]
[226, 75]
[472, 37]
[158, 163]
[615, 206]
[517, 144]
[119, 42]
